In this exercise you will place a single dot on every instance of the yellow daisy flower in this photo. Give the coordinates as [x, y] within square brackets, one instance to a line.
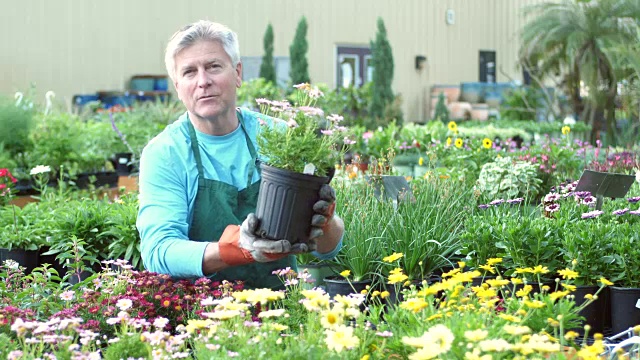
[568, 274]
[605, 282]
[393, 257]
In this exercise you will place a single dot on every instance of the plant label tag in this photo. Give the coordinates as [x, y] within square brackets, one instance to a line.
[309, 169]
[638, 304]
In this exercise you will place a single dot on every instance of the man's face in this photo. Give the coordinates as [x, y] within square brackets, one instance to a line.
[206, 80]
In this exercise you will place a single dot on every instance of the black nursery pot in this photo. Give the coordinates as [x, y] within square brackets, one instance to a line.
[338, 285]
[625, 308]
[25, 258]
[122, 163]
[596, 312]
[103, 178]
[285, 203]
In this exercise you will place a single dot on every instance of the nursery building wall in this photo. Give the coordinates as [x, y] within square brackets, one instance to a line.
[82, 47]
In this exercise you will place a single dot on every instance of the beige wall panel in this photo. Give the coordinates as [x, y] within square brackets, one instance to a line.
[84, 46]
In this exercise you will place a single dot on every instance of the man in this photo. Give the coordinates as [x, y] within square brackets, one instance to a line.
[199, 180]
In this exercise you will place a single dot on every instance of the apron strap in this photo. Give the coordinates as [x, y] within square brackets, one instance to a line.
[195, 149]
[252, 150]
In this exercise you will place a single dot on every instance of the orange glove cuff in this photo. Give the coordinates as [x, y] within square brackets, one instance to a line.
[329, 214]
[229, 248]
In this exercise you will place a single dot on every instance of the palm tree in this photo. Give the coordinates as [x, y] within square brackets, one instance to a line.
[575, 39]
[630, 95]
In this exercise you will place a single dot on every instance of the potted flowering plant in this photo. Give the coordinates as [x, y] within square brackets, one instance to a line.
[7, 186]
[626, 269]
[365, 221]
[299, 148]
[427, 228]
[19, 226]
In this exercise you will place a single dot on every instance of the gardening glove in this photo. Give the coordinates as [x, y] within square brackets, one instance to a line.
[240, 245]
[324, 210]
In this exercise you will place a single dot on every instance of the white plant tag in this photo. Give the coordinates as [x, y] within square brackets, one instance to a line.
[309, 169]
[123, 160]
[638, 304]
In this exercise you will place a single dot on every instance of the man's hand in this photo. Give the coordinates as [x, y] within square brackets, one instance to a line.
[324, 210]
[240, 245]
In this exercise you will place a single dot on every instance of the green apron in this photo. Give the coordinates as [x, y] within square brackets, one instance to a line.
[219, 204]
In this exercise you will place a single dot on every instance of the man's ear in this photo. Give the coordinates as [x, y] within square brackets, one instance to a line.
[239, 74]
[175, 87]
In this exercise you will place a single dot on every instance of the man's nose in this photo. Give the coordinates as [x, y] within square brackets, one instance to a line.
[203, 79]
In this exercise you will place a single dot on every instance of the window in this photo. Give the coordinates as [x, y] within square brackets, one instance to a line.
[488, 66]
[353, 66]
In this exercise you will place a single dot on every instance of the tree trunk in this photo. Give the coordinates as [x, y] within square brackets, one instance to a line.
[610, 111]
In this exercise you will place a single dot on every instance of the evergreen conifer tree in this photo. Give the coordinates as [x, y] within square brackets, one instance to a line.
[441, 111]
[268, 68]
[382, 60]
[298, 54]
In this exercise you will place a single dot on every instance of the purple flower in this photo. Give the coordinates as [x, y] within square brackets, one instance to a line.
[582, 194]
[633, 200]
[589, 200]
[551, 197]
[592, 214]
[515, 201]
[483, 206]
[634, 212]
[552, 208]
[496, 202]
[570, 187]
[620, 211]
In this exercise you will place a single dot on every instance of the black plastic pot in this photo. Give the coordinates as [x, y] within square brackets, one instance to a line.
[478, 281]
[397, 296]
[338, 285]
[285, 203]
[596, 312]
[26, 187]
[25, 258]
[122, 163]
[625, 308]
[103, 179]
[51, 260]
[536, 288]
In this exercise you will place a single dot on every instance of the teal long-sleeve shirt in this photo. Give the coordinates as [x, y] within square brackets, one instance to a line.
[168, 184]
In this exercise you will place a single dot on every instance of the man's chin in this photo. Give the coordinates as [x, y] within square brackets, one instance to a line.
[208, 113]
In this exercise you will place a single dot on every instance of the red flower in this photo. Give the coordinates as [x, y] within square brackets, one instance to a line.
[166, 302]
[4, 172]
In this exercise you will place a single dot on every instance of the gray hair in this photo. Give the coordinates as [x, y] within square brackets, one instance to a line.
[201, 30]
